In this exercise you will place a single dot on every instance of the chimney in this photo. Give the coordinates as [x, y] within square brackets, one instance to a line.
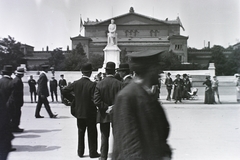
[208, 44]
[47, 48]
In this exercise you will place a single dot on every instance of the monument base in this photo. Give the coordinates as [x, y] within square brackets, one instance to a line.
[111, 54]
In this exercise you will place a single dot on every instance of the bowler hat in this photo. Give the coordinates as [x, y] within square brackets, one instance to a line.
[178, 75]
[87, 67]
[7, 69]
[20, 70]
[169, 73]
[110, 66]
[123, 67]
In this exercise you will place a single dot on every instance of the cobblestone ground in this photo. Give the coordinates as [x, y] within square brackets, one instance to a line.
[198, 131]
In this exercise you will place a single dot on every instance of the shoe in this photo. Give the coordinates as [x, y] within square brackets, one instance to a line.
[95, 155]
[17, 130]
[53, 116]
[100, 158]
[12, 149]
[39, 116]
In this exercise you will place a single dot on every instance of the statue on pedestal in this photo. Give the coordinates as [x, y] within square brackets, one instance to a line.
[112, 35]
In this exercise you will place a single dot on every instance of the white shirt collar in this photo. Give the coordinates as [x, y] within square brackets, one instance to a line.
[126, 76]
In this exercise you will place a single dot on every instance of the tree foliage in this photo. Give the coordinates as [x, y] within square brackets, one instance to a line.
[75, 58]
[169, 61]
[96, 60]
[232, 65]
[10, 52]
[57, 60]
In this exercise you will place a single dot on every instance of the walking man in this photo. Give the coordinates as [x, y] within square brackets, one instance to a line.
[85, 110]
[43, 93]
[169, 84]
[104, 96]
[53, 88]
[18, 100]
[32, 89]
[140, 126]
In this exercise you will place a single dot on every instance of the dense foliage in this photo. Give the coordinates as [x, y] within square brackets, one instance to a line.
[10, 52]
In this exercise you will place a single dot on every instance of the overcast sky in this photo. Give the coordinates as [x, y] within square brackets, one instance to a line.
[42, 23]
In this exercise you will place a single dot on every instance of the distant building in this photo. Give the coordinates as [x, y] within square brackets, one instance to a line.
[236, 46]
[135, 32]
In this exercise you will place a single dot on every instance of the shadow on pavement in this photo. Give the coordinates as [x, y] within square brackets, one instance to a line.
[63, 117]
[37, 148]
[41, 131]
[27, 136]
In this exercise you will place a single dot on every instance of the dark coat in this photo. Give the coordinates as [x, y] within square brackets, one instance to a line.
[178, 88]
[32, 85]
[53, 85]
[140, 126]
[42, 85]
[7, 87]
[83, 89]
[169, 83]
[104, 96]
[62, 83]
[209, 96]
[18, 91]
[127, 80]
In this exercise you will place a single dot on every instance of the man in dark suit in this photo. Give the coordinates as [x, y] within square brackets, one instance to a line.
[124, 72]
[53, 88]
[6, 107]
[62, 83]
[18, 100]
[32, 88]
[43, 93]
[169, 84]
[104, 96]
[140, 126]
[85, 110]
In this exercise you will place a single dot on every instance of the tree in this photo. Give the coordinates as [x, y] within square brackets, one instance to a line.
[218, 59]
[123, 57]
[57, 60]
[169, 61]
[233, 63]
[96, 60]
[10, 52]
[75, 58]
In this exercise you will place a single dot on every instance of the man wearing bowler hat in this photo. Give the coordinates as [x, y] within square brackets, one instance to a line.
[6, 106]
[18, 100]
[85, 110]
[43, 93]
[104, 96]
[140, 126]
[124, 72]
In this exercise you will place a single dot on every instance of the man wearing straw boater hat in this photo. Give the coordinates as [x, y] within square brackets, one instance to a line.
[6, 105]
[18, 99]
[140, 126]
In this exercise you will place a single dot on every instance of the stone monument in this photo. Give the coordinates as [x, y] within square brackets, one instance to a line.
[111, 51]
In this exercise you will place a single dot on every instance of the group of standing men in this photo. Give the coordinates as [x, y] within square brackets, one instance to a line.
[140, 126]
[11, 101]
[182, 87]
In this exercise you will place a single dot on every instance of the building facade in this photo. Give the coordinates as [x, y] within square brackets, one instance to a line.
[135, 32]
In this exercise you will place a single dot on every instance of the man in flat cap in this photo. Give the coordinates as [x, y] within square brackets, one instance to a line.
[85, 110]
[62, 83]
[104, 96]
[124, 72]
[6, 105]
[140, 126]
[43, 93]
[18, 100]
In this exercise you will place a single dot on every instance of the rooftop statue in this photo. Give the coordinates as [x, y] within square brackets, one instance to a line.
[112, 35]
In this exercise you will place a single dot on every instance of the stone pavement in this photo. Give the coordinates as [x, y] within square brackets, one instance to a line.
[198, 131]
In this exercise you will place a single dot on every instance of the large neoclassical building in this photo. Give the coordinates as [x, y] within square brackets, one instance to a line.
[135, 32]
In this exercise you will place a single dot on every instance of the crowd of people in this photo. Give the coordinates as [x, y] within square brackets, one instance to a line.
[125, 99]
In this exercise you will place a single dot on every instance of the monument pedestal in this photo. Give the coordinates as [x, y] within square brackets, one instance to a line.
[111, 53]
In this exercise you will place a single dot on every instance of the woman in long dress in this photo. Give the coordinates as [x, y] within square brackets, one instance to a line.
[209, 99]
[238, 88]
